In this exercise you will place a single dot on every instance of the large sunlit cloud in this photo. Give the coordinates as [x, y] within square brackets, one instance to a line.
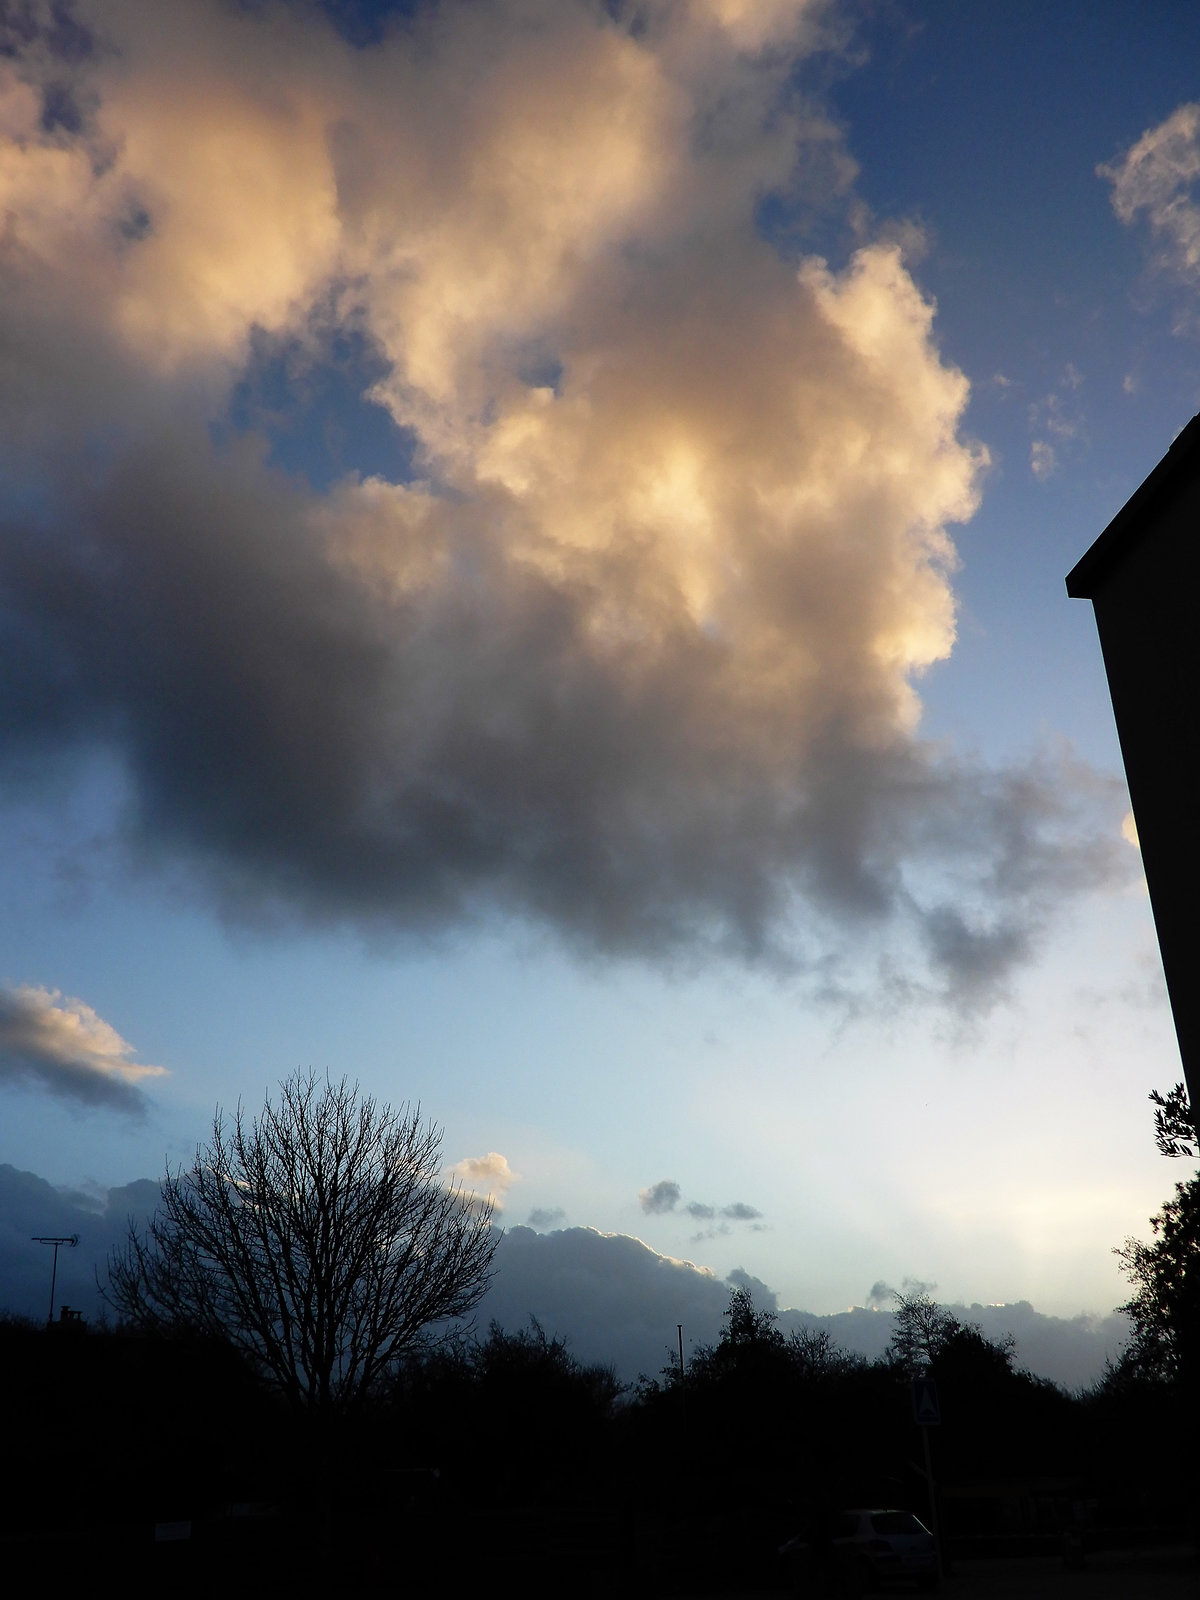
[634, 650]
[61, 1045]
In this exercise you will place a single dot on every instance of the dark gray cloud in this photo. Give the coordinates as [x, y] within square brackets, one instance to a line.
[666, 1196]
[302, 749]
[546, 1216]
[764, 1297]
[29, 1206]
[618, 1301]
[659, 1197]
[612, 1296]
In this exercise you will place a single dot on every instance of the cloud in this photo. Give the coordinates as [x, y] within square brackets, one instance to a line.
[665, 1196]
[1057, 419]
[618, 1301]
[614, 1298]
[60, 1044]
[490, 1174]
[1155, 181]
[1043, 460]
[629, 644]
[546, 1216]
[29, 1206]
[764, 1297]
[659, 1197]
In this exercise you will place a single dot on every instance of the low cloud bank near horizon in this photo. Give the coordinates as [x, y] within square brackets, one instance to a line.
[619, 1302]
[627, 640]
[611, 1296]
[30, 1206]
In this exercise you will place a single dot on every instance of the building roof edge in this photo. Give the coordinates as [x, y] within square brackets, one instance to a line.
[1182, 460]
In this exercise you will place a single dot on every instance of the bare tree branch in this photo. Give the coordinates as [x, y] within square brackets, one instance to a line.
[317, 1239]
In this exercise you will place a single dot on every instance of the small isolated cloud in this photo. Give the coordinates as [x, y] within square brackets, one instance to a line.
[1057, 423]
[666, 1196]
[1042, 460]
[1155, 181]
[659, 1197]
[60, 1044]
[546, 1216]
[488, 1175]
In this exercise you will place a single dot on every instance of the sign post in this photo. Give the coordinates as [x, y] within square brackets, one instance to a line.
[927, 1414]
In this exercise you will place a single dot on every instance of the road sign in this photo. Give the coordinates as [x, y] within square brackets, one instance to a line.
[925, 1402]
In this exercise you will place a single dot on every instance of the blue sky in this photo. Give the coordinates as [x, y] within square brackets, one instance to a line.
[533, 541]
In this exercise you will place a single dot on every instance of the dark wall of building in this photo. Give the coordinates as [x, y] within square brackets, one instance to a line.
[1148, 613]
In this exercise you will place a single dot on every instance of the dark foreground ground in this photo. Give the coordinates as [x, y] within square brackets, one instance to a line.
[1164, 1574]
[1171, 1572]
[380, 1567]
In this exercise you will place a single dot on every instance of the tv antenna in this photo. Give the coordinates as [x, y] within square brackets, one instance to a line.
[71, 1239]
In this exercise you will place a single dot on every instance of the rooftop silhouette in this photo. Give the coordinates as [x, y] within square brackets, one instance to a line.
[1142, 576]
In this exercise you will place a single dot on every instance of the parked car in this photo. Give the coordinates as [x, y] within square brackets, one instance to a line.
[863, 1548]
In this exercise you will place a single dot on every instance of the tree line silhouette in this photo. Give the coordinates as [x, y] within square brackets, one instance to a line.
[182, 1451]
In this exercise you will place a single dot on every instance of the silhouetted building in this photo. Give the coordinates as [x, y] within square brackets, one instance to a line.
[1142, 576]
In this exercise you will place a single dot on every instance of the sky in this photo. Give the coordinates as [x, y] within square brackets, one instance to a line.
[532, 539]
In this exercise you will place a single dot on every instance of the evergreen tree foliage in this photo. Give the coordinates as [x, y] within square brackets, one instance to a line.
[1165, 1305]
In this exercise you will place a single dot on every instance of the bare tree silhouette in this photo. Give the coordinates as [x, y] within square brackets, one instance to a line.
[317, 1239]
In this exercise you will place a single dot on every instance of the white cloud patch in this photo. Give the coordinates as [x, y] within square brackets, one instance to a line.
[1043, 461]
[1058, 423]
[60, 1044]
[489, 1176]
[632, 647]
[1155, 180]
